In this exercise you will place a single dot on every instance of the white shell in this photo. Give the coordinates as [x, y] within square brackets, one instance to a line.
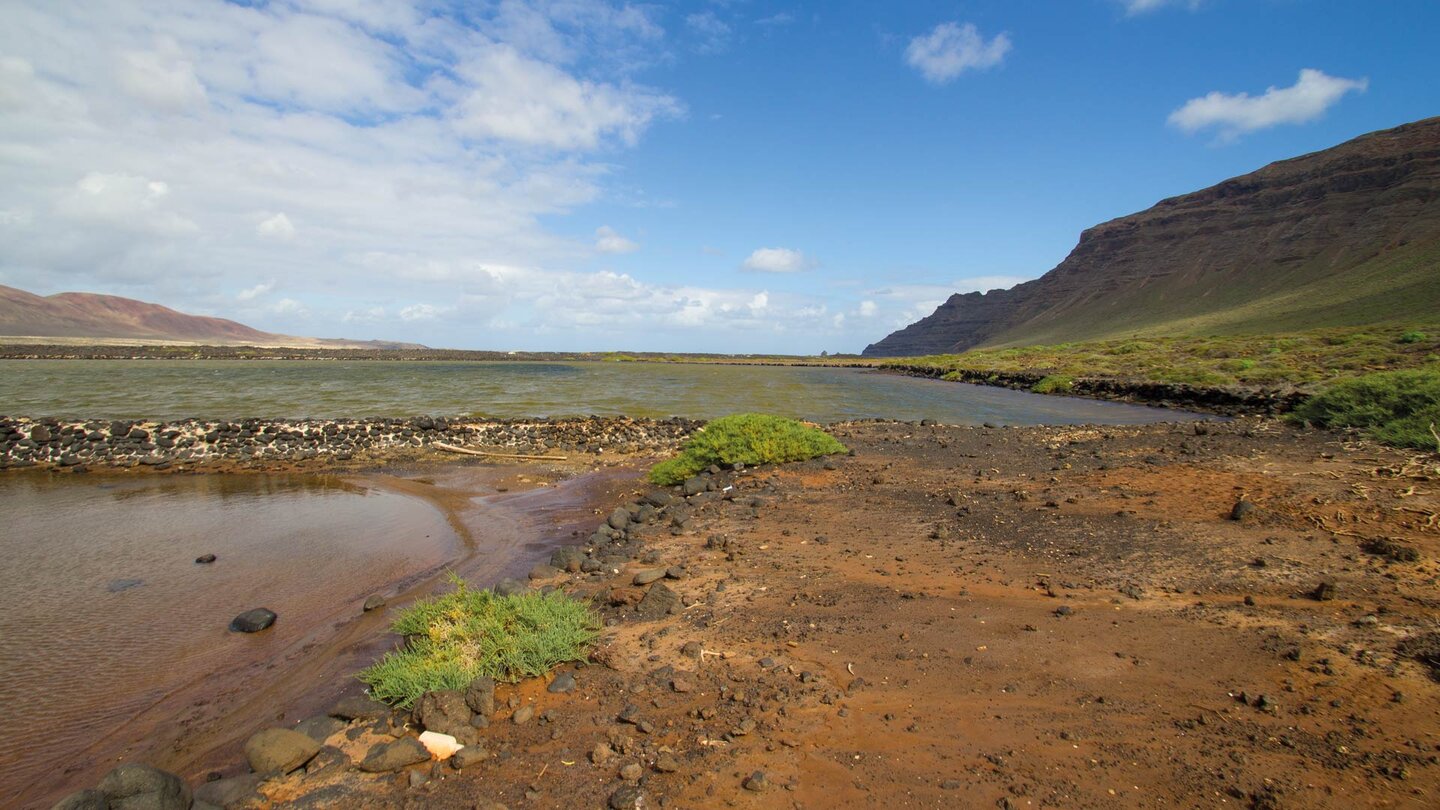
[440, 746]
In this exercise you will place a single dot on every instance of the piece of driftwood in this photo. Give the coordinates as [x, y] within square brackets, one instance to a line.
[467, 451]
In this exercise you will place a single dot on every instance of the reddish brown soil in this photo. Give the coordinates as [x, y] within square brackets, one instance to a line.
[1032, 617]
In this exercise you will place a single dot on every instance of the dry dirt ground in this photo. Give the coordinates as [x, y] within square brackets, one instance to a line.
[1013, 617]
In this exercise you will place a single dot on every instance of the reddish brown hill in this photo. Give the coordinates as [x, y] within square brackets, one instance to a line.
[89, 315]
[72, 315]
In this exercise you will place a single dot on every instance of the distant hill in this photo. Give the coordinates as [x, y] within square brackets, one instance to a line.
[1349, 236]
[78, 317]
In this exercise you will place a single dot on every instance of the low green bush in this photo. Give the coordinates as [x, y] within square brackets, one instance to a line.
[745, 438]
[457, 637]
[1054, 384]
[1412, 336]
[1395, 407]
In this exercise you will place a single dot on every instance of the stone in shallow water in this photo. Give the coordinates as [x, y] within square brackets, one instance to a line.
[118, 585]
[374, 602]
[253, 621]
[205, 559]
[135, 785]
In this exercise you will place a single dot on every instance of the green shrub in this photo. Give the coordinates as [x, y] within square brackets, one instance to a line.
[1054, 384]
[748, 438]
[455, 638]
[1395, 407]
[1412, 336]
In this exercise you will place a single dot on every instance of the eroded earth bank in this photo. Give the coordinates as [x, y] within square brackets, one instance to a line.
[1215, 614]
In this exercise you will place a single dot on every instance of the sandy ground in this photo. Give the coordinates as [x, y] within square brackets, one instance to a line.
[1015, 618]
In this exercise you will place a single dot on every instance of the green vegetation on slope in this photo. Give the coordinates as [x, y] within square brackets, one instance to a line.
[455, 638]
[745, 438]
[1401, 408]
[1300, 359]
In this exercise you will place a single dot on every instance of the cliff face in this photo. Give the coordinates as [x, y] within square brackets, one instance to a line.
[1347, 236]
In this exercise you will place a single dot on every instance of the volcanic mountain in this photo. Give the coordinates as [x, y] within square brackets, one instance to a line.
[1349, 236]
[74, 315]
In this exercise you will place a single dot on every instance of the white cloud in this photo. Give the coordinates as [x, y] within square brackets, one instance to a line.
[951, 49]
[258, 290]
[778, 260]
[275, 227]
[367, 315]
[162, 78]
[1236, 114]
[420, 312]
[782, 18]
[868, 309]
[511, 97]
[608, 241]
[1133, 7]
[289, 306]
[711, 32]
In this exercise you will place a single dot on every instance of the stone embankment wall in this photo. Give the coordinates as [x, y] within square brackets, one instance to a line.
[123, 443]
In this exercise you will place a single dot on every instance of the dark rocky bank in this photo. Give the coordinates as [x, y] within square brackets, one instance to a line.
[78, 444]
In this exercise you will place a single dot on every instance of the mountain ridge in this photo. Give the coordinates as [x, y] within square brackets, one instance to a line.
[95, 316]
[1344, 236]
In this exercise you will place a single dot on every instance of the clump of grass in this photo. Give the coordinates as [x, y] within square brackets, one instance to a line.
[1413, 336]
[468, 633]
[745, 438]
[1400, 408]
[1054, 384]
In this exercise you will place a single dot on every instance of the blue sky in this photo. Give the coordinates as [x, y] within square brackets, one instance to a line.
[706, 176]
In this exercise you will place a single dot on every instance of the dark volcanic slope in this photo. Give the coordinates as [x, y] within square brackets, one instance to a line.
[1347, 236]
[108, 316]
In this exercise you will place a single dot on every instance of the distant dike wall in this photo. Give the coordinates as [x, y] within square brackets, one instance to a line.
[1206, 399]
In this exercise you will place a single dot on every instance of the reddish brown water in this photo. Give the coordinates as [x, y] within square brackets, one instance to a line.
[114, 643]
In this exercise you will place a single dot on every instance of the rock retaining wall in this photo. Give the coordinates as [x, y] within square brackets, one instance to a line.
[28, 442]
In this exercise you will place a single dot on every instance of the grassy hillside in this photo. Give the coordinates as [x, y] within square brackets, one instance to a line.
[1396, 287]
[1299, 359]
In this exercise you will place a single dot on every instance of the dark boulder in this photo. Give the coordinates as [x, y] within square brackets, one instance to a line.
[135, 787]
[231, 794]
[480, 696]
[659, 602]
[253, 621]
[446, 712]
[392, 756]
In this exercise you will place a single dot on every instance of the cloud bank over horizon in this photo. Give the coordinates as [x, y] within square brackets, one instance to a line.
[591, 174]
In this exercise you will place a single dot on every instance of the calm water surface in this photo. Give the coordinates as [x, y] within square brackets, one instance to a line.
[235, 389]
[104, 614]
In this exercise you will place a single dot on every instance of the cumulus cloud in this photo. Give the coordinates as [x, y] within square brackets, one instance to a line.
[275, 227]
[511, 97]
[1238, 113]
[951, 49]
[608, 241]
[258, 290]
[777, 260]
